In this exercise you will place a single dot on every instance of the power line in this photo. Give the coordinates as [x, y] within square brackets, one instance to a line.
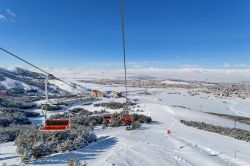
[124, 48]
[38, 68]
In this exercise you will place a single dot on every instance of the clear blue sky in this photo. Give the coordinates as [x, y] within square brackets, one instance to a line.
[159, 33]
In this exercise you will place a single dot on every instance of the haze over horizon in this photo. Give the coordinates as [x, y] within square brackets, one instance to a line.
[159, 34]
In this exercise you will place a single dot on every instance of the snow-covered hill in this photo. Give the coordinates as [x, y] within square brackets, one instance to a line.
[9, 84]
[151, 144]
[22, 80]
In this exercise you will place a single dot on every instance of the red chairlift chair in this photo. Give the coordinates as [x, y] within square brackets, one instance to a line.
[107, 117]
[56, 124]
[127, 118]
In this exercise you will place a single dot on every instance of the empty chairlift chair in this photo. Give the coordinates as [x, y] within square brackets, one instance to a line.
[56, 124]
[127, 118]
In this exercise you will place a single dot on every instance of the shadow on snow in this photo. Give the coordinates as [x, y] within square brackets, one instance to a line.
[7, 158]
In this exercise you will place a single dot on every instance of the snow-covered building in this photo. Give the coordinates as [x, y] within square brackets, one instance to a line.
[96, 93]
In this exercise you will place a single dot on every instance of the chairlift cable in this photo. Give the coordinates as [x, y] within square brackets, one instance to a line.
[124, 48]
[23, 60]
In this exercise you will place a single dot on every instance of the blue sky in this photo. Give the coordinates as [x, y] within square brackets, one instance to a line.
[159, 33]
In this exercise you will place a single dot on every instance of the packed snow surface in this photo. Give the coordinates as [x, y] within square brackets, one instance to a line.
[151, 144]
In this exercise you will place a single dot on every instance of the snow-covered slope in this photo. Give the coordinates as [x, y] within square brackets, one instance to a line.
[26, 80]
[15, 84]
[74, 88]
[151, 145]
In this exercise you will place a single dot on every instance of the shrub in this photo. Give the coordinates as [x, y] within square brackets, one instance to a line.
[142, 118]
[100, 112]
[50, 107]
[231, 132]
[135, 125]
[34, 144]
[40, 149]
[81, 111]
[8, 134]
[13, 118]
[75, 162]
[241, 119]
[114, 105]
[16, 110]
[13, 102]
[85, 118]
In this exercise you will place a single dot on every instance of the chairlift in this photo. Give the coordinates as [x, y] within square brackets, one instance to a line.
[127, 118]
[54, 124]
[107, 118]
[124, 117]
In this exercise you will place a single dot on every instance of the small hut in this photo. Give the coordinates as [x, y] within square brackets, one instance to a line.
[96, 93]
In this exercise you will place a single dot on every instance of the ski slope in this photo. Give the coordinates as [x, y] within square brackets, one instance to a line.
[151, 145]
